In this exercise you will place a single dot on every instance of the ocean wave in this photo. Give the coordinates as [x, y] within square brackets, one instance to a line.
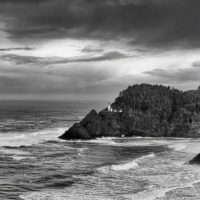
[43, 196]
[125, 166]
[115, 141]
[104, 140]
[132, 164]
[142, 143]
[61, 195]
[20, 157]
[82, 151]
[15, 153]
[177, 147]
[161, 192]
[135, 141]
[121, 142]
[17, 139]
[188, 145]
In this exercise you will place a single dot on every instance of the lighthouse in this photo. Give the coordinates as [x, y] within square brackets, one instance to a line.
[109, 107]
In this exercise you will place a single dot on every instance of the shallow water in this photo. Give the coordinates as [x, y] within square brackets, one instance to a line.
[36, 165]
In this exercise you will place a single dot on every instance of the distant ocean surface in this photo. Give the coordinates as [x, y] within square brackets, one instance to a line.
[36, 165]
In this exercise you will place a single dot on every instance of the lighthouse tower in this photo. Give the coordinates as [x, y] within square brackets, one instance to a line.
[109, 107]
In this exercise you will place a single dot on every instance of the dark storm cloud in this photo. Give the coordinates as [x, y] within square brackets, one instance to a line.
[18, 59]
[152, 23]
[190, 74]
[18, 48]
[113, 55]
[90, 49]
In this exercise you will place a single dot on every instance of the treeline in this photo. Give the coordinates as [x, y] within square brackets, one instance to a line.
[159, 101]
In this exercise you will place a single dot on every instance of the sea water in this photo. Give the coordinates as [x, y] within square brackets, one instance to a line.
[36, 165]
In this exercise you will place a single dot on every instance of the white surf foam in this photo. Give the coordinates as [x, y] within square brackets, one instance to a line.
[125, 166]
[104, 140]
[152, 195]
[161, 192]
[132, 164]
[188, 145]
[81, 151]
[43, 196]
[116, 141]
[21, 157]
[15, 154]
[137, 141]
[17, 139]
[177, 147]
[62, 195]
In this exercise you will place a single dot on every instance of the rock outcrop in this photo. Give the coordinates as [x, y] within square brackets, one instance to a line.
[143, 110]
[195, 160]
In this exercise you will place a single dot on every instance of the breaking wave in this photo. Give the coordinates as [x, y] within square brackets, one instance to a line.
[162, 192]
[132, 164]
[10, 143]
[19, 139]
[43, 196]
[126, 166]
[177, 147]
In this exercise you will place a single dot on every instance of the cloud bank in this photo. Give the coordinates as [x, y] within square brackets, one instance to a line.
[151, 23]
[97, 47]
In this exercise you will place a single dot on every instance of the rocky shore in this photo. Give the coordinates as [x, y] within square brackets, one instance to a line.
[143, 110]
[195, 160]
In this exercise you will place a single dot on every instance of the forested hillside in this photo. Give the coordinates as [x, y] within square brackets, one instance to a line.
[145, 110]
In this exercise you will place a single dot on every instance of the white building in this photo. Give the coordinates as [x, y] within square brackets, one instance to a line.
[110, 108]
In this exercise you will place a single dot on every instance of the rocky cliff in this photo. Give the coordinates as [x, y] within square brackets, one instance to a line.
[143, 110]
[195, 160]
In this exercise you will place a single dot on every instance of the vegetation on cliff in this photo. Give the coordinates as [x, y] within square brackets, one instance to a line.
[147, 110]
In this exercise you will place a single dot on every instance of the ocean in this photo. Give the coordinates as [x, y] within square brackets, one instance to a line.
[36, 165]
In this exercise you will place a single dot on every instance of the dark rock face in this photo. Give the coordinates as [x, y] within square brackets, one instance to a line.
[90, 117]
[94, 125]
[143, 110]
[78, 130]
[195, 160]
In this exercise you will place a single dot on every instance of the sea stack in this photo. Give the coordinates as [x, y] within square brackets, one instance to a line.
[195, 160]
[143, 110]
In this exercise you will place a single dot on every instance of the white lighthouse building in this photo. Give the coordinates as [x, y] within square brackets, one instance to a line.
[109, 107]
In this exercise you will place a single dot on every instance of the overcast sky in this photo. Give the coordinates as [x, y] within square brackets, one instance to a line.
[90, 49]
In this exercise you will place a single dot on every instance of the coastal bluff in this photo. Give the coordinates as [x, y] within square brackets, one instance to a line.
[143, 110]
